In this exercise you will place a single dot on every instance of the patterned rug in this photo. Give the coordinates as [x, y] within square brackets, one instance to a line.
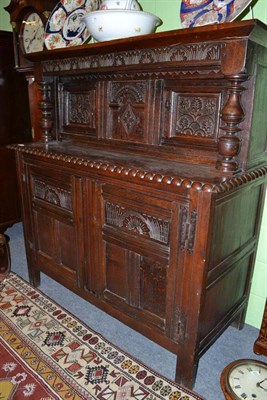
[47, 354]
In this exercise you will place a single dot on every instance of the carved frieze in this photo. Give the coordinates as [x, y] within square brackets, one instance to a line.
[193, 53]
[52, 194]
[197, 52]
[140, 223]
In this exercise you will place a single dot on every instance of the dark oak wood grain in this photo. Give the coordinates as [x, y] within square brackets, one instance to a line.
[145, 194]
[260, 345]
[4, 258]
[14, 128]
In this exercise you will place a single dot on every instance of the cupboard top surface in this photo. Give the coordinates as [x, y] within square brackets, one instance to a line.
[139, 168]
[252, 29]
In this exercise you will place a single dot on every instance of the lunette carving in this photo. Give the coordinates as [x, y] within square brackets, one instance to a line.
[132, 173]
[51, 194]
[232, 114]
[146, 225]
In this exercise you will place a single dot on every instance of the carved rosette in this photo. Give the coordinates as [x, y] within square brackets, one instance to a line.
[46, 108]
[232, 114]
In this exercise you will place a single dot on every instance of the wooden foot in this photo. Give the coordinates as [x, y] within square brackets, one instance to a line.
[4, 258]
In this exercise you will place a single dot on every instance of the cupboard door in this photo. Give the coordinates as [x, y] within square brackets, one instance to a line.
[55, 199]
[191, 113]
[140, 269]
[130, 111]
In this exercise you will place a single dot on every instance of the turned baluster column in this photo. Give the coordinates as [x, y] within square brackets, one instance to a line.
[46, 109]
[232, 114]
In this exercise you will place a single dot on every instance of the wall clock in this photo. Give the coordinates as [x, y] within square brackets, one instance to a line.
[28, 19]
[245, 380]
[32, 33]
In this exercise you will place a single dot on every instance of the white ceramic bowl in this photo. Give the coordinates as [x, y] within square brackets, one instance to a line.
[116, 24]
[119, 4]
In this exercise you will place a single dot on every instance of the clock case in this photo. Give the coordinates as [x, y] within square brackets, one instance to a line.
[226, 372]
[19, 10]
[27, 32]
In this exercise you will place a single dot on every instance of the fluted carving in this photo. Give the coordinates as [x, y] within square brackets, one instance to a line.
[232, 114]
[46, 108]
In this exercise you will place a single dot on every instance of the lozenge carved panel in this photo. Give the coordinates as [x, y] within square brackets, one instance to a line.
[127, 110]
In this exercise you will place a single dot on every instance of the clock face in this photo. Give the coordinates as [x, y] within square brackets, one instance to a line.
[33, 33]
[247, 380]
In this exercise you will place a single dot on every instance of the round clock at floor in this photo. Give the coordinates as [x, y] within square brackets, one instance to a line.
[32, 33]
[245, 380]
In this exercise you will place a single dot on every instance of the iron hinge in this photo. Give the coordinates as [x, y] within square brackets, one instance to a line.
[188, 230]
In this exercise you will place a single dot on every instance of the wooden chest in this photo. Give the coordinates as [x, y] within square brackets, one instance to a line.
[145, 196]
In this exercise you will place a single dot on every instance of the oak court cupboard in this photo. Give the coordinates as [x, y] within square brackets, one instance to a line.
[145, 193]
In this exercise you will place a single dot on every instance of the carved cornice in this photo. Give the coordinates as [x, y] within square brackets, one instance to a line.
[183, 53]
[176, 73]
[111, 169]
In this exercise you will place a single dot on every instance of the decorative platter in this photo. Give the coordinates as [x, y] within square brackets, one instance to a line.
[206, 12]
[64, 27]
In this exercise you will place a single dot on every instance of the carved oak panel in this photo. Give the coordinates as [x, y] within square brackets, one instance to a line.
[192, 115]
[137, 222]
[127, 109]
[52, 194]
[153, 283]
[137, 283]
[78, 109]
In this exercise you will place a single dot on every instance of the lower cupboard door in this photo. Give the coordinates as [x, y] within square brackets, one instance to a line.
[56, 245]
[136, 284]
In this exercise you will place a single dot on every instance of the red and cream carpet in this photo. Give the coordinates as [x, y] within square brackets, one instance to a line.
[47, 354]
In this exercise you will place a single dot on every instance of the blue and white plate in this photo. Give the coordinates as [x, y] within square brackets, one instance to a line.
[207, 12]
[64, 27]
